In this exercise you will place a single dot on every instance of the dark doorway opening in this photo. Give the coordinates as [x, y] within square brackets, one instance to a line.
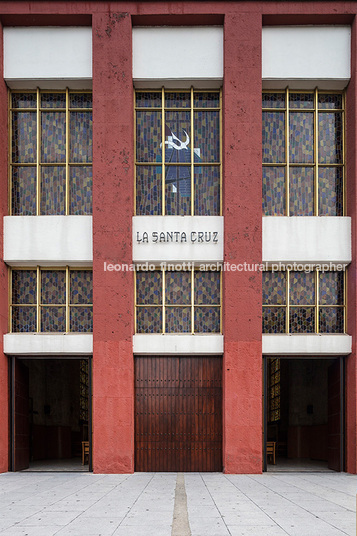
[50, 414]
[303, 414]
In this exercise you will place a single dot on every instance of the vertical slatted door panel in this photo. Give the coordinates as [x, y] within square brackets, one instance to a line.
[178, 413]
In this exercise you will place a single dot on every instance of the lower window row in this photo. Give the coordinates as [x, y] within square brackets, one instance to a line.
[178, 302]
[51, 300]
[299, 302]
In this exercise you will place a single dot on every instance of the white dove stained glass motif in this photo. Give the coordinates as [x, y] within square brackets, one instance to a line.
[178, 169]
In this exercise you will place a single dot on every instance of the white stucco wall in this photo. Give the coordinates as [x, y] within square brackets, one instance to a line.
[48, 53]
[306, 56]
[48, 240]
[178, 53]
[307, 239]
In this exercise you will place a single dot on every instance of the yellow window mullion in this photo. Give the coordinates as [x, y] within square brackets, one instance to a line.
[67, 300]
[192, 157]
[317, 299]
[287, 319]
[38, 300]
[316, 153]
[67, 152]
[163, 301]
[38, 153]
[192, 300]
[287, 149]
[163, 150]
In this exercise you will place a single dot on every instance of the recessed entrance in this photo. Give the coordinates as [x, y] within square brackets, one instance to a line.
[50, 414]
[303, 414]
[178, 413]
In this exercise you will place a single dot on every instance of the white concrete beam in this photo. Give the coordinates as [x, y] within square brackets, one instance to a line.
[314, 344]
[178, 344]
[48, 240]
[48, 344]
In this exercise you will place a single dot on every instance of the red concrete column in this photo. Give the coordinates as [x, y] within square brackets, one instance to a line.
[242, 366]
[113, 381]
[4, 390]
[351, 171]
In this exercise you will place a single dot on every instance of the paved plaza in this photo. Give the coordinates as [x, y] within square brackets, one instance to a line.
[171, 504]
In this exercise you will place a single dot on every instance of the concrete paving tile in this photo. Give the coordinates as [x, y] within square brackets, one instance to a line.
[49, 519]
[258, 519]
[208, 526]
[202, 511]
[148, 530]
[84, 524]
[249, 530]
[30, 531]
[142, 520]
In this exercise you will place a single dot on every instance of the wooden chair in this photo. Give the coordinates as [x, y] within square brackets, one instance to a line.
[85, 452]
[271, 450]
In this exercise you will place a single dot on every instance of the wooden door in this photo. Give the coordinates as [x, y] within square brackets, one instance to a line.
[21, 443]
[334, 417]
[178, 413]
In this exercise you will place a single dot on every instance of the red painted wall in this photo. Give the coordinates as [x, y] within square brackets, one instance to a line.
[113, 422]
[4, 421]
[113, 367]
[242, 366]
[351, 171]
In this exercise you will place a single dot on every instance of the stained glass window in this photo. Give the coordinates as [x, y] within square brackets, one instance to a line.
[51, 153]
[303, 302]
[178, 152]
[178, 302]
[303, 157]
[274, 390]
[84, 391]
[51, 300]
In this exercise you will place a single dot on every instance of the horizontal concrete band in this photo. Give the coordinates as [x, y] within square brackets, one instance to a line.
[180, 344]
[304, 57]
[307, 239]
[47, 344]
[48, 240]
[178, 53]
[39, 344]
[296, 55]
[48, 53]
[299, 345]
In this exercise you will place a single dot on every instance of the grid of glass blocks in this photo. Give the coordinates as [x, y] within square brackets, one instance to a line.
[178, 302]
[178, 152]
[51, 153]
[50, 300]
[303, 153]
[304, 302]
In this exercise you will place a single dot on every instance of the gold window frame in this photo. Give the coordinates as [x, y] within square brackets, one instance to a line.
[193, 164]
[38, 304]
[163, 306]
[315, 165]
[38, 164]
[316, 306]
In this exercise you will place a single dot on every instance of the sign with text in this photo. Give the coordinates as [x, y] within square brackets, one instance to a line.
[177, 238]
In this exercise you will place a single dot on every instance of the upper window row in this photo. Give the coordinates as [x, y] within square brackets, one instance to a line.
[178, 152]
[303, 153]
[51, 153]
